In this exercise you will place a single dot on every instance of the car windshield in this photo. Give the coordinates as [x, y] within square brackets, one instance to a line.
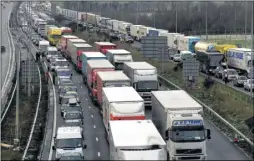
[56, 36]
[69, 143]
[72, 116]
[73, 108]
[66, 89]
[232, 72]
[242, 78]
[188, 135]
[70, 94]
[64, 73]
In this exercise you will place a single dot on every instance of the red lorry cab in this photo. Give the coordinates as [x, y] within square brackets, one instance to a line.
[94, 66]
[66, 31]
[104, 46]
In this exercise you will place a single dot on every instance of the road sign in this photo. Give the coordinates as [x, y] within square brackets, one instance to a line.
[155, 47]
[190, 72]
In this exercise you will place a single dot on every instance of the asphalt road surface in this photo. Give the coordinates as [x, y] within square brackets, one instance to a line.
[5, 57]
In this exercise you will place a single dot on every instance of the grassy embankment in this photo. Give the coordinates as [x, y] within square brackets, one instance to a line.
[234, 106]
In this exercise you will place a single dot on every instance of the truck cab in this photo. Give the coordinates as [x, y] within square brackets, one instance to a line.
[104, 46]
[143, 77]
[179, 119]
[118, 56]
[66, 31]
[68, 140]
[54, 35]
[43, 45]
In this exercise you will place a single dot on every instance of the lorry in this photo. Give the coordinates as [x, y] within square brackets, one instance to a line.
[187, 43]
[90, 56]
[54, 35]
[66, 31]
[43, 45]
[93, 67]
[124, 27]
[152, 32]
[209, 61]
[209, 47]
[134, 31]
[179, 120]
[40, 25]
[121, 103]
[45, 35]
[68, 139]
[115, 25]
[75, 52]
[143, 31]
[69, 43]
[118, 56]
[110, 79]
[104, 46]
[63, 42]
[223, 48]
[240, 59]
[135, 140]
[143, 78]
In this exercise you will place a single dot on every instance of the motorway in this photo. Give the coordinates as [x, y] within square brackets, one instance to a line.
[5, 40]
[218, 148]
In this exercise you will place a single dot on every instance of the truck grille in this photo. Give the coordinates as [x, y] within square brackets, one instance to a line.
[188, 151]
[189, 158]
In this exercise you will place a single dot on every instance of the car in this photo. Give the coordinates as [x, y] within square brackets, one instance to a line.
[69, 94]
[66, 89]
[177, 58]
[70, 103]
[58, 63]
[232, 74]
[52, 58]
[73, 118]
[65, 82]
[128, 39]
[249, 85]
[3, 49]
[61, 73]
[219, 71]
[239, 81]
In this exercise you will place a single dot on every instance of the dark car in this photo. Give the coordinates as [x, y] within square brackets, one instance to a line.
[3, 49]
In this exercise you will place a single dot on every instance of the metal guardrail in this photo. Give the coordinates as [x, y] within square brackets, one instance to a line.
[209, 110]
[8, 85]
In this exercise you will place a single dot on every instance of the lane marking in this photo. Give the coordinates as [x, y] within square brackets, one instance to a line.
[97, 139]
[99, 154]
[94, 126]
[92, 116]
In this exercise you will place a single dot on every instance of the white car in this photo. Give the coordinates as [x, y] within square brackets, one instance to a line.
[249, 85]
[176, 58]
[232, 74]
[51, 51]
[59, 63]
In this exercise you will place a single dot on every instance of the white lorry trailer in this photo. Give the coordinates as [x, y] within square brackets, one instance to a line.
[143, 78]
[178, 118]
[121, 103]
[240, 59]
[134, 31]
[135, 140]
[117, 57]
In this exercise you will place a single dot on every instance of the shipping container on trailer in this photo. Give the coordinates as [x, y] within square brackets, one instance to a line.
[104, 46]
[76, 52]
[111, 79]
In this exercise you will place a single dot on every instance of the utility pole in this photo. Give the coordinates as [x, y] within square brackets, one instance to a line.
[154, 15]
[252, 52]
[206, 21]
[77, 13]
[176, 15]
[245, 23]
[137, 10]
[29, 62]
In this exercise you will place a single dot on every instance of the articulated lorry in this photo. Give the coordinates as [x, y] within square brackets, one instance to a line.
[104, 46]
[121, 103]
[143, 78]
[75, 52]
[63, 42]
[135, 140]
[94, 66]
[117, 57]
[179, 119]
[69, 43]
[110, 79]
[90, 56]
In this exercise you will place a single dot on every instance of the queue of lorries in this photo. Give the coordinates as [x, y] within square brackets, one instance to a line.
[215, 59]
[123, 89]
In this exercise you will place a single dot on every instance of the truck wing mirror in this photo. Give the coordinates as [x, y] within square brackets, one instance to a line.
[160, 84]
[53, 147]
[208, 134]
[166, 135]
[85, 146]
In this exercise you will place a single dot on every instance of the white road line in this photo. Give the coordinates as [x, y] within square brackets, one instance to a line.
[81, 86]
[99, 154]
[92, 116]
[97, 139]
[94, 126]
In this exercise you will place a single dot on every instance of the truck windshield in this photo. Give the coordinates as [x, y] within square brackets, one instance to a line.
[56, 36]
[119, 66]
[72, 116]
[188, 135]
[147, 86]
[52, 53]
[61, 63]
[69, 143]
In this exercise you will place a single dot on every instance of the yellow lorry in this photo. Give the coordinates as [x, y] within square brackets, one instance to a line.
[54, 35]
[223, 48]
